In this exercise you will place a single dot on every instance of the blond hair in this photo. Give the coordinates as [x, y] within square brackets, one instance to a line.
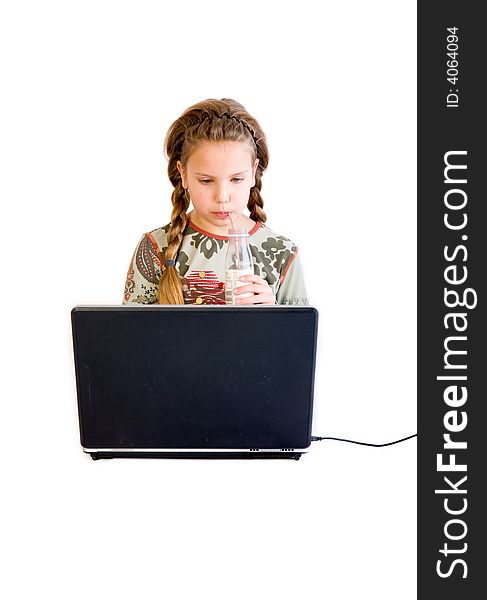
[207, 121]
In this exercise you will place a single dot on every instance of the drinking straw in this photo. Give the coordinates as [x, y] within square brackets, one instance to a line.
[237, 257]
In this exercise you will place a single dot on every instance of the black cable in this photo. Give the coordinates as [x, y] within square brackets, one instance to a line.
[315, 438]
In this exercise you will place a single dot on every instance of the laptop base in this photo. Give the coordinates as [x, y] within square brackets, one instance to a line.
[210, 455]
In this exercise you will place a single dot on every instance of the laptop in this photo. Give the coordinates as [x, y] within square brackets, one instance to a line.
[159, 381]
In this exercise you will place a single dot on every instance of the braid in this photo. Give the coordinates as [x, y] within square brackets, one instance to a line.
[256, 202]
[244, 123]
[170, 291]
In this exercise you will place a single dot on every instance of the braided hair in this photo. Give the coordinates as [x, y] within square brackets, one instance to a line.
[207, 121]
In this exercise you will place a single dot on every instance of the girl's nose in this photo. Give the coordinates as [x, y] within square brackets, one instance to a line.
[222, 195]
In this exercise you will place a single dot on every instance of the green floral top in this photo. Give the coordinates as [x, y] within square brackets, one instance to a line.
[201, 266]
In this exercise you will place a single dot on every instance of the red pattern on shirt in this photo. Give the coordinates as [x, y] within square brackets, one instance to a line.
[203, 287]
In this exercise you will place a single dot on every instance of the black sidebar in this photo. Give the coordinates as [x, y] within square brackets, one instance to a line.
[451, 300]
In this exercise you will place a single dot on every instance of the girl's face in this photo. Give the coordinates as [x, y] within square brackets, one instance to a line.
[219, 176]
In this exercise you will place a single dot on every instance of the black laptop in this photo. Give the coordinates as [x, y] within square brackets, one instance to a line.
[195, 382]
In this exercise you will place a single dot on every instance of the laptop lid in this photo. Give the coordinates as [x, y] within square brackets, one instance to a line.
[172, 377]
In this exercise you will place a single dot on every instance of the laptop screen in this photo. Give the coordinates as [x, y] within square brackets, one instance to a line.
[195, 377]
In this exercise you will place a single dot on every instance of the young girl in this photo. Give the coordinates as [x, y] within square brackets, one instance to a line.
[217, 154]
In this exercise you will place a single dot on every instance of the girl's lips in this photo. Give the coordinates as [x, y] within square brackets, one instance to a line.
[222, 215]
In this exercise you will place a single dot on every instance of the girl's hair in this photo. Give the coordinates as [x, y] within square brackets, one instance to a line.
[207, 121]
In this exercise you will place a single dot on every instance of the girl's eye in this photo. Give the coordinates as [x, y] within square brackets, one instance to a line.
[235, 180]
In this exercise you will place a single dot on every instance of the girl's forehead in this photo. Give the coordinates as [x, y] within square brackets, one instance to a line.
[221, 154]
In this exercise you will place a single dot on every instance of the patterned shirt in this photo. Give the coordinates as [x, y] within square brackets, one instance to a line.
[201, 266]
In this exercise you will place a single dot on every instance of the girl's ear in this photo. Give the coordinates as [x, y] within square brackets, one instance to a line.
[182, 172]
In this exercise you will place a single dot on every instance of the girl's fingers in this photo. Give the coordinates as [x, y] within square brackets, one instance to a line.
[253, 278]
[245, 289]
[266, 297]
[260, 290]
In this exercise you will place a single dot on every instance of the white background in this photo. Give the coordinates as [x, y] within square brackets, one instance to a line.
[88, 92]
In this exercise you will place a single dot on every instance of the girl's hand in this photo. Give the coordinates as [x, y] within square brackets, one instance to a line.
[261, 291]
